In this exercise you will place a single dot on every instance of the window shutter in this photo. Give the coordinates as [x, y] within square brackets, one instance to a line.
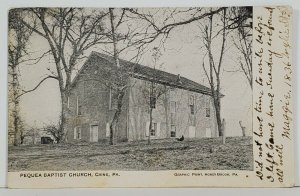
[110, 99]
[158, 129]
[107, 130]
[77, 106]
[173, 120]
[68, 102]
[147, 128]
[173, 106]
[173, 131]
[207, 105]
[75, 133]
[207, 101]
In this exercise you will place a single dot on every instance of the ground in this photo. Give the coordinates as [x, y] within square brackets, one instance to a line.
[168, 154]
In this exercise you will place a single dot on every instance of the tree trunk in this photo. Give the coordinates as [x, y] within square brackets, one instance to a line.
[152, 104]
[243, 129]
[150, 125]
[116, 53]
[218, 114]
[116, 117]
[217, 105]
[166, 114]
[22, 137]
[223, 131]
[62, 130]
[15, 106]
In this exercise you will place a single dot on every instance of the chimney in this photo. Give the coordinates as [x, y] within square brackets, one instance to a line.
[179, 79]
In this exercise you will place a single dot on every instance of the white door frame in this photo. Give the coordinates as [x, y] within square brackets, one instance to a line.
[92, 133]
[192, 131]
[208, 132]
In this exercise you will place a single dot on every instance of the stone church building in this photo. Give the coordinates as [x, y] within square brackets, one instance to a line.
[182, 106]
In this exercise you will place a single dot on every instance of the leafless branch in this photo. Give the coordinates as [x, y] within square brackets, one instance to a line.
[28, 91]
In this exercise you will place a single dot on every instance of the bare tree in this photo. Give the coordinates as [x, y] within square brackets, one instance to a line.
[160, 22]
[119, 84]
[243, 128]
[244, 40]
[231, 19]
[244, 45]
[123, 39]
[69, 32]
[125, 34]
[153, 91]
[72, 31]
[213, 70]
[17, 50]
[55, 131]
[154, 27]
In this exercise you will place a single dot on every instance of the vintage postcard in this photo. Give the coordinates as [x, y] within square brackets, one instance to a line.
[150, 97]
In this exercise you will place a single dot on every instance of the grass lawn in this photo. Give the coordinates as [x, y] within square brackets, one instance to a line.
[167, 154]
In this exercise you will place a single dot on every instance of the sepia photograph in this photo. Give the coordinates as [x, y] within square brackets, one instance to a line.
[130, 89]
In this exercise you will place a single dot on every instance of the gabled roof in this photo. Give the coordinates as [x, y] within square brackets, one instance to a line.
[147, 73]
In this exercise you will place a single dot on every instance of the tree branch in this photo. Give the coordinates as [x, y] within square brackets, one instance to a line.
[28, 91]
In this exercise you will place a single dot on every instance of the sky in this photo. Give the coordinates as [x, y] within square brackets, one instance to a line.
[182, 54]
